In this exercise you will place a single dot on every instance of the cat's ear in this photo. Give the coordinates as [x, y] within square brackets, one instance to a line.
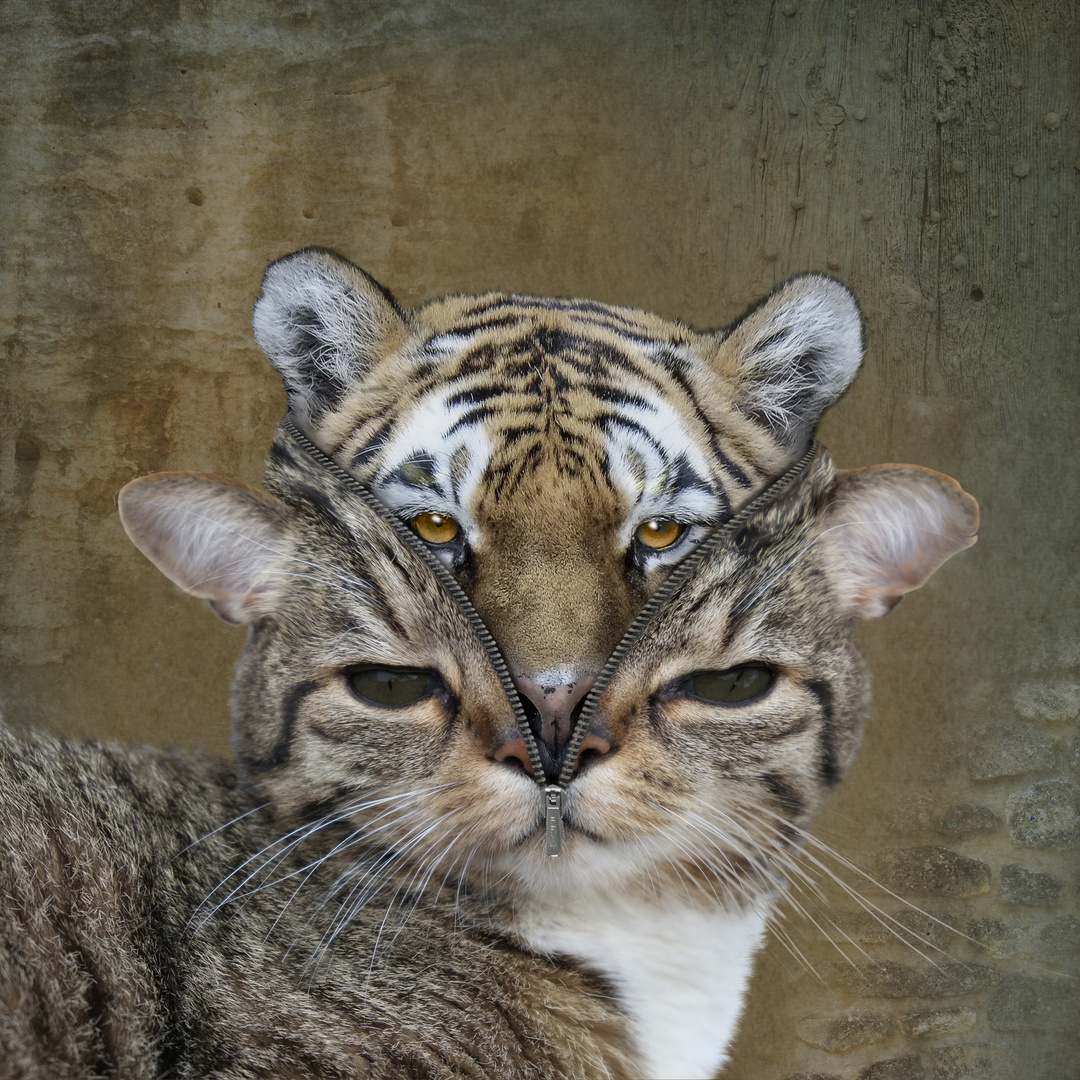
[794, 355]
[890, 527]
[217, 539]
[323, 323]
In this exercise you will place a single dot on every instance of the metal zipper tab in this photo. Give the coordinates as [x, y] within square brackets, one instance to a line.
[553, 823]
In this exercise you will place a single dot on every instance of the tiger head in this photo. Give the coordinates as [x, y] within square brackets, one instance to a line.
[559, 456]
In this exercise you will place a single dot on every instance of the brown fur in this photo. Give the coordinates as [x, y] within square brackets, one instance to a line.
[113, 965]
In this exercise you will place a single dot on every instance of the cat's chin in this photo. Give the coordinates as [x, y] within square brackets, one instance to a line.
[586, 865]
[646, 871]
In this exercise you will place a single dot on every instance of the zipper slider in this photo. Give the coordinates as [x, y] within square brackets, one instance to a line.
[553, 826]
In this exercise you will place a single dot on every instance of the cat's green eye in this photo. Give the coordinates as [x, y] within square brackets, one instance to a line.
[392, 687]
[732, 687]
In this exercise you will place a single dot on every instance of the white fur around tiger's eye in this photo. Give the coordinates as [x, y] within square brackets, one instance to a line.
[660, 533]
[435, 528]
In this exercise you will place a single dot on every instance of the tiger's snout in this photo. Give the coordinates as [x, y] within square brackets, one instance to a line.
[552, 708]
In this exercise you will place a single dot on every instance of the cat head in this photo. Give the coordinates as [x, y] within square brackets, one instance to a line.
[559, 456]
[365, 695]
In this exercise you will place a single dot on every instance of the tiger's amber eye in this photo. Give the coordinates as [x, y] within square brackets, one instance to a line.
[434, 528]
[660, 533]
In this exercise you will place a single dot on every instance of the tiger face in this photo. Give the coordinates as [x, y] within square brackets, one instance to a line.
[559, 456]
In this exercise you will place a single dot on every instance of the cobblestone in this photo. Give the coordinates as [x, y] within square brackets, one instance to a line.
[1000, 751]
[984, 930]
[908, 1067]
[932, 870]
[932, 1022]
[890, 979]
[1053, 701]
[1058, 942]
[1018, 885]
[872, 929]
[933, 930]
[958, 979]
[972, 1062]
[1001, 939]
[1045, 815]
[839, 1034]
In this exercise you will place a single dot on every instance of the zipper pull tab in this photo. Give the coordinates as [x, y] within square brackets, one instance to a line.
[553, 827]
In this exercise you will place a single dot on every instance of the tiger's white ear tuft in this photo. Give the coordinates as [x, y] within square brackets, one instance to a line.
[890, 527]
[217, 539]
[793, 356]
[323, 323]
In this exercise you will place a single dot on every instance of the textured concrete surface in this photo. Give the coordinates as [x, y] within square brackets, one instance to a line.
[683, 156]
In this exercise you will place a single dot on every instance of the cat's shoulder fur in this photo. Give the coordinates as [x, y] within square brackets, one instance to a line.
[114, 960]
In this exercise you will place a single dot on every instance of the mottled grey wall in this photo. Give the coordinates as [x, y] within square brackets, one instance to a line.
[682, 155]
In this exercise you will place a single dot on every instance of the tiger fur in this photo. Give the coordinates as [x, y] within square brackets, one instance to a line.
[367, 893]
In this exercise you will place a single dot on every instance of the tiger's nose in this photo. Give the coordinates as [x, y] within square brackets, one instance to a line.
[552, 708]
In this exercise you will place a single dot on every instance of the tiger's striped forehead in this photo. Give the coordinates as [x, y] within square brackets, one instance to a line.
[506, 392]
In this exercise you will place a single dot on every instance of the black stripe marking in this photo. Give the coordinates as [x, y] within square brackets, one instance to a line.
[306, 496]
[781, 789]
[469, 326]
[686, 478]
[281, 750]
[590, 311]
[472, 417]
[373, 446]
[828, 767]
[616, 419]
[477, 395]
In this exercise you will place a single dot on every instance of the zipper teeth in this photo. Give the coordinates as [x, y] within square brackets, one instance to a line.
[447, 580]
[681, 572]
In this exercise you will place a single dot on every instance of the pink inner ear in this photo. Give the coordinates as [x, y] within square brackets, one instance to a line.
[215, 538]
[891, 527]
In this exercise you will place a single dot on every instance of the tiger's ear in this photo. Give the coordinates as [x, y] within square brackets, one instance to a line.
[217, 539]
[793, 356]
[889, 528]
[323, 323]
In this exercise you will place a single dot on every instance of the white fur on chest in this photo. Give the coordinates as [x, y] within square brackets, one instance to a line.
[681, 973]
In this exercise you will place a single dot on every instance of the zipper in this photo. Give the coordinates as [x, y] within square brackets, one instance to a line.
[554, 793]
[446, 579]
[683, 570]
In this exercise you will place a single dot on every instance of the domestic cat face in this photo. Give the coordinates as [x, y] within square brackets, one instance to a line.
[731, 714]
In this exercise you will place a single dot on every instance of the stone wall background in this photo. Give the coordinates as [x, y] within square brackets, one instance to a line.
[683, 156]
